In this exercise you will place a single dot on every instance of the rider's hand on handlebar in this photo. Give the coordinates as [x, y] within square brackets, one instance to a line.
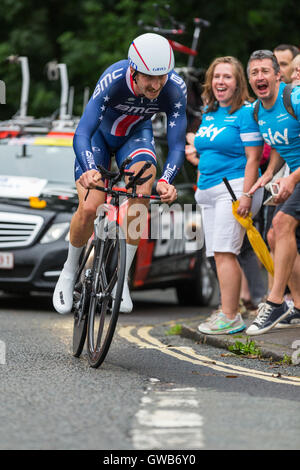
[90, 179]
[166, 191]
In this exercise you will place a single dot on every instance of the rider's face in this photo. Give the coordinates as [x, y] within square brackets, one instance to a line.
[149, 85]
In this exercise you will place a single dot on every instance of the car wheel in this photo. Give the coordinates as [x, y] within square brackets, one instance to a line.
[201, 290]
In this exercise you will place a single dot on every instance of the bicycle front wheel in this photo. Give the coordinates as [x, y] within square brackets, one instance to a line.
[82, 294]
[108, 281]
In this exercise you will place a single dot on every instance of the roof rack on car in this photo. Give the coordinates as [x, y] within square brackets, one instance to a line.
[20, 119]
[23, 61]
[65, 121]
[61, 121]
[55, 70]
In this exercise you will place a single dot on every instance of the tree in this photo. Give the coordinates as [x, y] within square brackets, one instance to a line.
[89, 35]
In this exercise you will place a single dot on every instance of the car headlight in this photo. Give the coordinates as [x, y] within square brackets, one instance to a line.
[55, 232]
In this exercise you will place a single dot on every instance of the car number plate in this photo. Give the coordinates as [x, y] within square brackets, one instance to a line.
[6, 260]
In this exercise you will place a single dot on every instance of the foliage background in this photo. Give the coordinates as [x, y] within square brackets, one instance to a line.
[89, 35]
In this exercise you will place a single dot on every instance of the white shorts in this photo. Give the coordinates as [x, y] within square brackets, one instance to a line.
[222, 231]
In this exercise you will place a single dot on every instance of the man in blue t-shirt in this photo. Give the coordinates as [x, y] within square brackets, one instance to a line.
[282, 131]
[117, 120]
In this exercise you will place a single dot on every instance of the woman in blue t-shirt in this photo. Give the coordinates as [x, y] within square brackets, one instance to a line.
[230, 145]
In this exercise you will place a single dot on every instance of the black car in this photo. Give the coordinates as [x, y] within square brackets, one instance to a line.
[37, 201]
[34, 232]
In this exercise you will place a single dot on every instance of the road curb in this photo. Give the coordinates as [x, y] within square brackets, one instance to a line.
[272, 351]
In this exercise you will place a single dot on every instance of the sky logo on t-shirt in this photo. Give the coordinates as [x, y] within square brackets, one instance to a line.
[209, 131]
[277, 138]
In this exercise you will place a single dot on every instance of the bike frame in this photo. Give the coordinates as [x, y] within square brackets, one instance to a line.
[101, 275]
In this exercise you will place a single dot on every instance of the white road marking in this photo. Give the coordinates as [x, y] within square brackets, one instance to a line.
[168, 419]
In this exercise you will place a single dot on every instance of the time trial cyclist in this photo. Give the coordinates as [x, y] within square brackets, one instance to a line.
[118, 119]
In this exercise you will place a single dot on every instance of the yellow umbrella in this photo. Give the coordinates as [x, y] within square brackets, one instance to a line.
[255, 238]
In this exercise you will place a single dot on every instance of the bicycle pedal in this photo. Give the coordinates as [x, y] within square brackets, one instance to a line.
[78, 287]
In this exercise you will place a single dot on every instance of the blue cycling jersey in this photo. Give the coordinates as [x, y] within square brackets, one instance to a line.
[221, 141]
[281, 130]
[116, 111]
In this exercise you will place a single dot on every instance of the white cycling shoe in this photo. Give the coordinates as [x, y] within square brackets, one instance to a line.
[126, 304]
[63, 293]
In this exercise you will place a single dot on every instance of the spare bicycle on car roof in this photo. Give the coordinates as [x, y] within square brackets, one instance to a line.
[166, 25]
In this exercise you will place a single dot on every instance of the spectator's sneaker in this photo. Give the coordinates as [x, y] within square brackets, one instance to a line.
[63, 293]
[288, 301]
[219, 324]
[291, 321]
[213, 314]
[267, 317]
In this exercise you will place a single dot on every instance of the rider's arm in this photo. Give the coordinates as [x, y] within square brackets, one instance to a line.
[93, 115]
[83, 134]
[176, 129]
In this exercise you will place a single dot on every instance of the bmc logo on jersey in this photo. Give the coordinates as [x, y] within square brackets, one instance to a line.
[136, 109]
[179, 82]
[106, 80]
[277, 138]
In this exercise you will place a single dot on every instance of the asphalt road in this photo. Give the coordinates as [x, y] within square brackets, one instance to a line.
[154, 390]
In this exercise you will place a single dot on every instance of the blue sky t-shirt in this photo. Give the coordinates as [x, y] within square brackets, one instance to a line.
[221, 140]
[281, 130]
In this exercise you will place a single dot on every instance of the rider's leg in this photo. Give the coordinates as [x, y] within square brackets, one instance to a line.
[136, 221]
[81, 229]
[140, 147]
[82, 223]
[134, 226]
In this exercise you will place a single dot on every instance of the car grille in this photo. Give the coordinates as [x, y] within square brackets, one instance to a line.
[18, 229]
[18, 271]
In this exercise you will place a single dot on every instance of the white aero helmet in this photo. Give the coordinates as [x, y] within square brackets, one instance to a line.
[151, 54]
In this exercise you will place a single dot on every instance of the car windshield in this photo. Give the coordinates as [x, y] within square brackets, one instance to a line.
[54, 163]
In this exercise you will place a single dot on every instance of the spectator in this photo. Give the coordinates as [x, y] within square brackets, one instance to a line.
[230, 146]
[252, 284]
[285, 54]
[283, 134]
[296, 70]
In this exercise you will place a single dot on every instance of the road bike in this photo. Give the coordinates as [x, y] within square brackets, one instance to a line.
[101, 274]
[174, 29]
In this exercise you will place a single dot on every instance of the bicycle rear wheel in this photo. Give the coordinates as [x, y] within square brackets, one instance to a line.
[82, 292]
[108, 281]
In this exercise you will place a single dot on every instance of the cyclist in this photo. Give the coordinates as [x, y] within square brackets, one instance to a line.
[118, 119]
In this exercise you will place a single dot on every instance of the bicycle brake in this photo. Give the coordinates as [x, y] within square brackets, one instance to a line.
[106, 173]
